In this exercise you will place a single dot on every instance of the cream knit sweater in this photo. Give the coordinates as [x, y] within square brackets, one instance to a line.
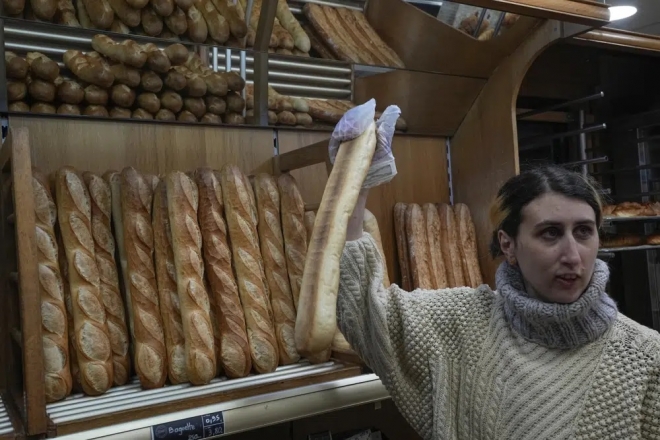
[459, 366]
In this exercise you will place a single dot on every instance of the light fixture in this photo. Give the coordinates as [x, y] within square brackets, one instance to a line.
[621, 12]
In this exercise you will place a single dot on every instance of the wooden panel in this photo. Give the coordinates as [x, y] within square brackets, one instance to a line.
[150, 147]
[422, 177]
[584, 12]
[485, 149]
[432, 104]
[20, 283]
[425, 43]
[622, 40]
[311, 179]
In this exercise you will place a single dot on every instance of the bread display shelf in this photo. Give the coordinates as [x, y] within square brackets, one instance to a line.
[130, 403]
[604, 251]
[621, 40]
[609, 220]
[251, 412]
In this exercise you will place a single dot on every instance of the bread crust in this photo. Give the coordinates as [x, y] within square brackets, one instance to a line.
[89, 318]
[468, 245]
[272, 250]
[183, 202]
[449, 245]
[242, 222]
[54, 324]
[418, 248]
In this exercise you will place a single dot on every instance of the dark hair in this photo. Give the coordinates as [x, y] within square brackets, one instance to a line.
[519, 191]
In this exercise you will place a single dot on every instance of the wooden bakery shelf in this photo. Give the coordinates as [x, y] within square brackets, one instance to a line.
[6, 426]
[622, 40]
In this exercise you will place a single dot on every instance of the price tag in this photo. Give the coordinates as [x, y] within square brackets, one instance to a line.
[192, 428]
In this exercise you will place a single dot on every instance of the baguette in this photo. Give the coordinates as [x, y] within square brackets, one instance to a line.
[232, 347]
[316, 322]
[58, 381]
[164, 8]
[83, 16]
[402, 245]
[467, 245]
[254, 24]
[64, 271]
[197, 29]
[285, 38]
[152, 23]
[293, 228]
[321, 18]
[310, 217]
[418, 248]
[366, 33]
[100, 13]
[272, 251]
[170, 307]
[217, 24]
[436, 262]
[449, 245]
[370, 225]
[182, 203]
[93, 345]
[240, 212]
[42, 67]
[119, 27]
[128, 15]
[66, 14]
[177, 22]
[140, 287]
[291, 24]
[15, 66]
[128, 52]
[228, 9]
[88, 69]
[104, 250]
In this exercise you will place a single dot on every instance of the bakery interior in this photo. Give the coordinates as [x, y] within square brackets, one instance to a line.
[136, 96]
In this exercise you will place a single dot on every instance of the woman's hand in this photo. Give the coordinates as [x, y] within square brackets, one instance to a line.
[383, 167]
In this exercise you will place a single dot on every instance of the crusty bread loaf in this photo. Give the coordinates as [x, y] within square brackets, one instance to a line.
[653, 240]
[182, 203]
[272, 251]
[64, 271]
[240, 213]
[449, 245]
[310, 217]
[402, 245]
[168, 295]
[232, 347]
[149, 354]
[622, 240]
[293, 229]
[316, 321]
[628, 209]
[94, 351]
[370, 225]
[418, 248]
[467, 245]
[58, 381]
[104, 250]
[436, 262]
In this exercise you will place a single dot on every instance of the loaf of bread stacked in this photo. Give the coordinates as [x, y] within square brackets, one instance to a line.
[282, 109]
[345, 34]
[486, 30]
[209, 267]
[199, 21]
[629, 211]
[436, 246]
[287, 37]
[126, 80]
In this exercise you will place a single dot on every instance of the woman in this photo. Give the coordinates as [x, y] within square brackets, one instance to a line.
[545, 356]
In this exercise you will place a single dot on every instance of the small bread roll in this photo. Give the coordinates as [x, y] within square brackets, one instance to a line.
[186, 116]
[96, 110]
[68, 109]
[95, 95]
[165, 115]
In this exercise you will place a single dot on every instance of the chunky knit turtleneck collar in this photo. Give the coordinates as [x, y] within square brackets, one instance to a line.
[557, 325]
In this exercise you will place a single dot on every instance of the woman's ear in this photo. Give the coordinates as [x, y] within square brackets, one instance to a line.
[508, 247]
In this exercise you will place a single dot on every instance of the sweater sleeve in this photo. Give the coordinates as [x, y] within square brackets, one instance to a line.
[651, 408]
[386, 328]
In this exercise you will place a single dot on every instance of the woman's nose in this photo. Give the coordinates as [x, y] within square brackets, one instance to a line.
[570, 254]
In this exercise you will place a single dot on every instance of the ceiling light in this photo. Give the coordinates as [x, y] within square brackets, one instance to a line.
[621, 12]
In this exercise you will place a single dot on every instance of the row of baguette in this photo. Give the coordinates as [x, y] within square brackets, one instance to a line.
[632, 209]
[125, 80]
[629, 240]
[198, 273]
[198, 21]
[436, 246]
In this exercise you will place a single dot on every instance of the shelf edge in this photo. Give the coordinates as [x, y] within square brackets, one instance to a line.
[259, 411]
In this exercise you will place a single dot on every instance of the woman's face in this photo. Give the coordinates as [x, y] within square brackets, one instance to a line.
[556, 247]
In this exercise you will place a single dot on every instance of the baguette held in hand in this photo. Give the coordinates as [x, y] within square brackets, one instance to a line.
[316, 322]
